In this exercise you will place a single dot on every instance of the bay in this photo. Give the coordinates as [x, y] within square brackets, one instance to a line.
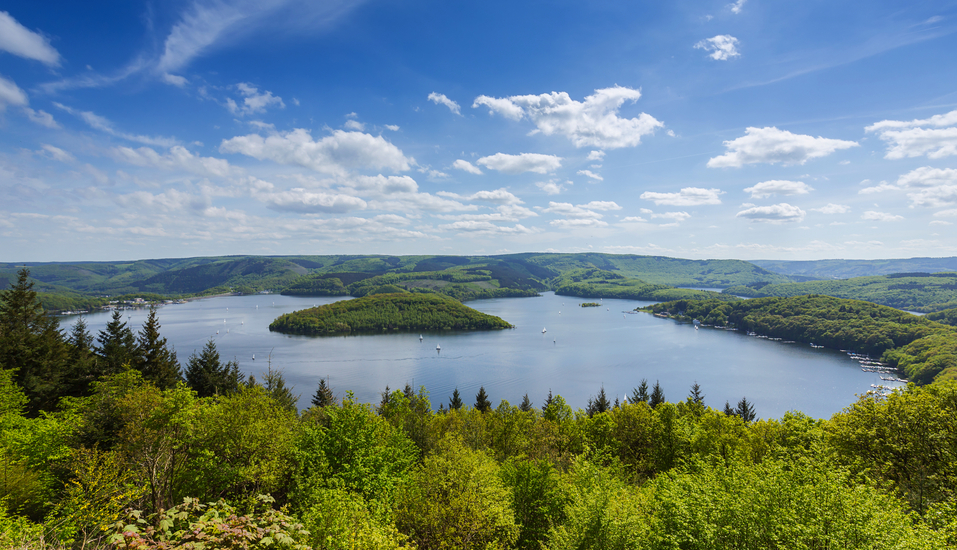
[581, 350]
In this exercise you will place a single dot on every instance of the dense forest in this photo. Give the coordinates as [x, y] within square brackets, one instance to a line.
[921, 349]
[921, 292]
[845, 269]
[599, 283]
[106, 442]
[387, 312]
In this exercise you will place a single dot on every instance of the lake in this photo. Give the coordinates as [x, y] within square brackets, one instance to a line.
[582, 350]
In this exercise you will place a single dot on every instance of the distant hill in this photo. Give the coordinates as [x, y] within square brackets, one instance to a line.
[845, 269]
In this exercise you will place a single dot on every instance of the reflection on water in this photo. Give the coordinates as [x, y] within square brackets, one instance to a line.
[581, 350]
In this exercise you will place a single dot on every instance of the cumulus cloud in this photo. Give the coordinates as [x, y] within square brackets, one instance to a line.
[591, 175]
[593, 122]
[935, 137]
[441, 99]
[722, 47]
[392, 127]
[832, 208]
[633, 219]
[22, 42]
[476, 226]
[307, 202]
[879, 188]
[952, 213]
[737, 6]
[777, 213]
[550, 187]
[354, 125]
[601, 205]
[569, 210]
[524, 162]
[11, 94]
[171, 200]
[466, 166]
[498, 196]
[253, 102]
[932, 187]
[596, 155]
[676, 216]
[334, 154]
[771, 145]
[688, 196]
[177, 158]
[100, 123]
[880, 216]
[778, 187]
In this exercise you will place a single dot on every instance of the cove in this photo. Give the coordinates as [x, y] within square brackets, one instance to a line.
[581, 350]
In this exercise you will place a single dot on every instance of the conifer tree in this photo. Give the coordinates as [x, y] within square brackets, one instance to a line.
[640, 394]
[154, 358]
[696, 396]
[599, 404]
[526, 404]
[117, 345]
[482, 402]
[745, 410]
[455, 402]
[275, 384]
[209, 376]
[728, 411]
[657, 396]
[548, 400]
[323, 396]
[386, 395]
[81, 368]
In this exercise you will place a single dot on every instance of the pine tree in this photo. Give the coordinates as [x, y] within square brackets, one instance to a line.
[275, 384]
[455, 402]
[599, 404]
[154, 358]
[323, 396]
[81, 361]
[728, 411]
[745, 410]
[526, 404]
[386, 397]
[209, 376]
[696, 396]
[481, 400]
[117, 345]
[640, 394]
[31, 343]
[657, 396]
[548, 401]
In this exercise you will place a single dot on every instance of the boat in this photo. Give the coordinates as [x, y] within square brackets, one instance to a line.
[696, 327]
[438, 348]
[254, 357]
[543, 330]
[420, 338]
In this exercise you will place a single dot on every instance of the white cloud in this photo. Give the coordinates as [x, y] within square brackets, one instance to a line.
[778, 187]
[392, 127]
[354, 125]
[574, 223]
[601, 205]
[524, 162]
[253, 102]
[933, 187]
[737, 6]
[777, 213]
[384, 185]
[946, 213]
[171, 200]
[333, 154]
[940, 222]
[570, 211]
[58, 154]
[676, 216]
[947, 119]
[688, 196]
[632, 219]
[22, 42]
[591, 123]
[722, 47]
[174, 80]
[11, 94]
[880, 216]
[879, 188]
[550, 187]
[596, 155]
[906, 139]
[303, 201]
[474, 226]
[466, 166]
[177, 158]
[498, 196]
[591, 175]
[97, 122]
[41, 117]
[832, 208]
[441, 99]
[771, 145]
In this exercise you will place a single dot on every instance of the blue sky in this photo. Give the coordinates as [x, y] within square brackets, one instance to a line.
[752, 129]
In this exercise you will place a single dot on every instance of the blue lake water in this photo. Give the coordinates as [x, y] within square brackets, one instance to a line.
[582, 350]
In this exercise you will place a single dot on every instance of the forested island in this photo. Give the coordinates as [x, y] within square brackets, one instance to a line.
[107, 443]
[921, 349]
[392, 312]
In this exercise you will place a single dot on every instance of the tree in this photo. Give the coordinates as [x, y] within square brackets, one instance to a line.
[745, 410]
[81, 361]
[117, 345]
[640, 394]
[728, 411]
[599, 404]
[323, 396]
[696, 396]
[275, 386]
[526, 404]
[455, 402]
[548, 400]
[208, 376]
[657, 396]
[154, 358]
[481, 400]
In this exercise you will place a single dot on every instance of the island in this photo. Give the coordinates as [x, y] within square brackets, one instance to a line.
[395, 312]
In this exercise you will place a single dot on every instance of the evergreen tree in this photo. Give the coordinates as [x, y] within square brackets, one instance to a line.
[548, 400]
[323, 396]
[481, 400]
[385, 399]
[31, 343]
[154, 358]
[455, 402]
[617, 404]
[117, 345]
[640, 394]
[209, 376]
[745, 410]
[81, 367]
[599, 404]
[526, 404]
[408, 392]
[696, 396]
[728, 411]
[275, 384]
[657, 396]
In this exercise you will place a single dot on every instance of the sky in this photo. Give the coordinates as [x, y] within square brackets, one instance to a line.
[696, 129]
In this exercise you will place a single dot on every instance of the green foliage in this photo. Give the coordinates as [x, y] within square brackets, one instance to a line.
[338, 519]
[844, 269]
[946, 316]
[193, 526]
[386, 312]
[154, 357]
[537, 499]
[595, 283]
[209, 376]
[117, 346]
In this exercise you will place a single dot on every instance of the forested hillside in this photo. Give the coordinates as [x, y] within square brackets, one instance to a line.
[108, 442]
[920, 348]
[845, 269]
